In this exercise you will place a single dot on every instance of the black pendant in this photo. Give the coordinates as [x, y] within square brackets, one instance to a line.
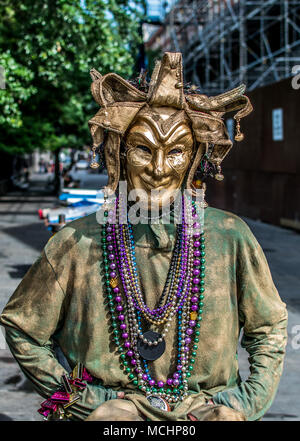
[151, 353]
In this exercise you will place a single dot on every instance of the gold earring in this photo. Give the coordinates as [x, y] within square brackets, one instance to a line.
[94, 163]
[219, 176]
[204, 204]
[239, 135]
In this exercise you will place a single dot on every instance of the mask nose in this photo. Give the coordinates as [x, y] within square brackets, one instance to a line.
[159, 164]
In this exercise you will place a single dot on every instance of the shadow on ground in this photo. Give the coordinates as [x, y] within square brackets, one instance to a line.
[19, 271]
[33, 235]
[4, 417]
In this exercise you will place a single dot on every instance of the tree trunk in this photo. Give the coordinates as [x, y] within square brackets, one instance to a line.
[72, 158]
[57, 173]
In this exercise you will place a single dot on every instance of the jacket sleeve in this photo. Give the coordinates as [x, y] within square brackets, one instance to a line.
[263, 317]
[31, 317]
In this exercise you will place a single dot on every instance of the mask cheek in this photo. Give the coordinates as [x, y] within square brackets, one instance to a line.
[138, 158]
[179, 162]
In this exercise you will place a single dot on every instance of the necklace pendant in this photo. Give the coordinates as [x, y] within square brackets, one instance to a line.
[153, 352]
[113, 282]
[159, 403]
[193, 315]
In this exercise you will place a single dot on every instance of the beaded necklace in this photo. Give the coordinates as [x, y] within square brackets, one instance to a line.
[182, 298]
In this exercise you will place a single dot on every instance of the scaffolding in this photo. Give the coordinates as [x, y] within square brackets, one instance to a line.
[228, 42]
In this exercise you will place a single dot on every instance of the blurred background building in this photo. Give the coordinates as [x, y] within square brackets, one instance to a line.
[228, 42]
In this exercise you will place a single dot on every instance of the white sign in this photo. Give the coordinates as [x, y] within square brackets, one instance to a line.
[277, 124]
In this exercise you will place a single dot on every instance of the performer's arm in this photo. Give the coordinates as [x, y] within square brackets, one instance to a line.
[31, 317]
[263, 317]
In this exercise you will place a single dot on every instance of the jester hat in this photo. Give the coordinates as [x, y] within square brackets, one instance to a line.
[121, 103]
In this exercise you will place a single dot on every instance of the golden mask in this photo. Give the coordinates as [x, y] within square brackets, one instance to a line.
[158, 149]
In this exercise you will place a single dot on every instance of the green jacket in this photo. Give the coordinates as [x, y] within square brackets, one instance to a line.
[62, 298]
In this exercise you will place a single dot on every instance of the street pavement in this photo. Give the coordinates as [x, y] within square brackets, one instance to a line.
[22, 238]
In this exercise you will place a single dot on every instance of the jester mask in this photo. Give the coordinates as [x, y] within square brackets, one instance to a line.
[155, 138]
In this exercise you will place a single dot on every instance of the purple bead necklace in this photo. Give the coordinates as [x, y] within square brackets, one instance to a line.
[182, 302]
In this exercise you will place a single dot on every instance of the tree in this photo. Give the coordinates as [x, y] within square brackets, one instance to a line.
[47, 50]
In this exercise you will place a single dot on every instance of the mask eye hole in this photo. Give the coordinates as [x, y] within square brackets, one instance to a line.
[143, 148]
[175, 151]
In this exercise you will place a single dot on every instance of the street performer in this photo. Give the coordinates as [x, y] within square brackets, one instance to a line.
[147, 297]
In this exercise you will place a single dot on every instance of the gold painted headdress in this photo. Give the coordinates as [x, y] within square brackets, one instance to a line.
[120, 103]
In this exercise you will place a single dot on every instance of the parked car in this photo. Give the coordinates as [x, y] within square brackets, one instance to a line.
[82, 165]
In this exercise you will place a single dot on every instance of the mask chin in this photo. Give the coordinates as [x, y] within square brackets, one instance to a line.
[163, 203]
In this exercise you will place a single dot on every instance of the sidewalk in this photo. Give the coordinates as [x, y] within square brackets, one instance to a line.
[282, 249]
[22, 237]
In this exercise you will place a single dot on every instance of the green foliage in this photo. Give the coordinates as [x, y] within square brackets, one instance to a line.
[18, 78]
[47, 50]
